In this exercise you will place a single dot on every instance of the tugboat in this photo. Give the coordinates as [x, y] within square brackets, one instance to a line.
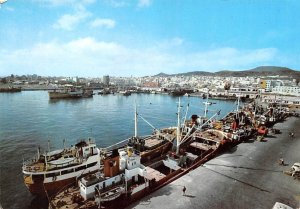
[48, 173]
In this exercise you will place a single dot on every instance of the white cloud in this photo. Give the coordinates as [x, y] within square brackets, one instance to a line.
[144, 3]
[69, 21]
[107, 23]
[173, 42]
[10, 9]
[89, 57]
[64, 2]
[117, 3]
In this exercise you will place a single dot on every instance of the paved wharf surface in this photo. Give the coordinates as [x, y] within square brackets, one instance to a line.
[247, 177]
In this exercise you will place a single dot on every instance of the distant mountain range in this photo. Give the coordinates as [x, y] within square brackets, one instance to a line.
[258, 71]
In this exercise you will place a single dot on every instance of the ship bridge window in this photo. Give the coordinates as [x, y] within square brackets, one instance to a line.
[80, 168]
[91, 164]
[67, 171]
[94, 151]
[52, 174]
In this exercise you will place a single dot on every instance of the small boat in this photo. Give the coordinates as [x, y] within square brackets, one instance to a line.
[279, 205]
[125, 93]
[104, 92]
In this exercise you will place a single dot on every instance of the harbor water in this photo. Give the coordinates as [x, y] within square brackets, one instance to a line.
[29, 119]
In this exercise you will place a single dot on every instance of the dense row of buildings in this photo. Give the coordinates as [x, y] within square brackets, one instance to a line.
[213, 84]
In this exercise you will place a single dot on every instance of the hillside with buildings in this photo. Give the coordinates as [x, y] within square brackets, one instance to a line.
[262, 71]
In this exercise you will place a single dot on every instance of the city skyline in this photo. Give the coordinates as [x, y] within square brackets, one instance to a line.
[145, 37]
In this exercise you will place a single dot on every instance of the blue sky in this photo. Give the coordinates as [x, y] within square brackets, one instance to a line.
[146, 37]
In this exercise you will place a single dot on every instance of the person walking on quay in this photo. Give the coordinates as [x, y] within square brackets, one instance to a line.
[281, 161]
[183, 190]
[291, 134]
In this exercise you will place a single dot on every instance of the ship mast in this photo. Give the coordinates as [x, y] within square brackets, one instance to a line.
[135, 121]
[38, 153]
[238, 104]
[48, 145]
[206, 105]
[178, 127]
[238, 107]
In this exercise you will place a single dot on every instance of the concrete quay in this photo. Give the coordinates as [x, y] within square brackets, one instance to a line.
[247, 176]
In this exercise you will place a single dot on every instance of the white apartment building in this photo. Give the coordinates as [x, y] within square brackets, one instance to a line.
[287, 90]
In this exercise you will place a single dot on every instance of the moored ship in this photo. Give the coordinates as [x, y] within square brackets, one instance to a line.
[180, 92]
[10, 89]
[52, 171]
[70, 92]
[149, 146]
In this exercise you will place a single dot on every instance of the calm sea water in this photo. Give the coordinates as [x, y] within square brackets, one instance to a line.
[29, 119]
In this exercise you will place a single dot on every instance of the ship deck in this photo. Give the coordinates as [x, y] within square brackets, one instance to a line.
[66, 198]
[156, 140]
[210, 136]
[202, 146]
[154, 174]
[152, 142]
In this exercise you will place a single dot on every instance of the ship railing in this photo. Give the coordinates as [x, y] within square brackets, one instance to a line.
[26, 168]
[30, 168]
[29, 162]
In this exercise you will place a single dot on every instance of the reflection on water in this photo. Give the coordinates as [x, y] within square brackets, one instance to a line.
[29, 119]
[74, 101]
